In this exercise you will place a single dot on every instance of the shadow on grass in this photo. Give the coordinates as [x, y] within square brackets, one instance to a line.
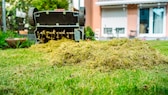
[8, 91]
[145, 90]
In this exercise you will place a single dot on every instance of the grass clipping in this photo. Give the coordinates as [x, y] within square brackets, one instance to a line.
[114, 54]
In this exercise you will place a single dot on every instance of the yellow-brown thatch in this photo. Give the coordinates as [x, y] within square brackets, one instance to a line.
[117, 53]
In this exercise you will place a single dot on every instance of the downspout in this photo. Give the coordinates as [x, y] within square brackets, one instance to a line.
[4, 15]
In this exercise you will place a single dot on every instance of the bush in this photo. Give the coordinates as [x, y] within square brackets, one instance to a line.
[11, 34]
[3, 36]
[89, 34]
[26, 44]
[50, 4]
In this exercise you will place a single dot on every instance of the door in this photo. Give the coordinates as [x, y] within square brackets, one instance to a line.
[151, 22]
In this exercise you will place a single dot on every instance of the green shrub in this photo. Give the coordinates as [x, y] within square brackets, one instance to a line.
[11, 34]
[26, 44]
[3, 36]
[89, 34]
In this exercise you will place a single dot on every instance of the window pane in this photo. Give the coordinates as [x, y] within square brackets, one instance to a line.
[144, 20]
[120, 30]
[107, 30]
[158, 20]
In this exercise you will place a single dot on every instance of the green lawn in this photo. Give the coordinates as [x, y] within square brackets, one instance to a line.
[27, 72]
[162, 46]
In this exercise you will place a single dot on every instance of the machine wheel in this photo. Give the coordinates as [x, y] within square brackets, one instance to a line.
[31, 12]
[82, 16]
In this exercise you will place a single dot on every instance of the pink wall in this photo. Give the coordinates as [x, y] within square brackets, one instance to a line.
[93, 14]
[132, 18]
[93, 17]
[88, 8]
[96, 16]
[167, 20]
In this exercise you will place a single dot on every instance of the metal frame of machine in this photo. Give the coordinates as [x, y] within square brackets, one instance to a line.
[54, 25]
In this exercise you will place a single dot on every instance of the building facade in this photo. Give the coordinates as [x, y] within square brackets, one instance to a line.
[128, 18]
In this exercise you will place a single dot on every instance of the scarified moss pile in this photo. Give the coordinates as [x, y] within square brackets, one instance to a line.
[114, 54]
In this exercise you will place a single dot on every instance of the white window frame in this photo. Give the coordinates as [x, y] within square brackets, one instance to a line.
[150, 34]
[108, 29]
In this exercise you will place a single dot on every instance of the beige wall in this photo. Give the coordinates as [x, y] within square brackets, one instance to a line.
[132, 18]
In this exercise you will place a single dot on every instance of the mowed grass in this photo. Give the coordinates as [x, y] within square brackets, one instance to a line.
[161, 45]
[28, 72]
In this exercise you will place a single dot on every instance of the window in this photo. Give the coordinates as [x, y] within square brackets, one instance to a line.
[158, 14]
[120, 30]
[152, 20]
[144, 20]
[107, 30]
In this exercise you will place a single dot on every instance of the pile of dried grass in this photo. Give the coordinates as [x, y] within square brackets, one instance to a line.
[117, 53]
